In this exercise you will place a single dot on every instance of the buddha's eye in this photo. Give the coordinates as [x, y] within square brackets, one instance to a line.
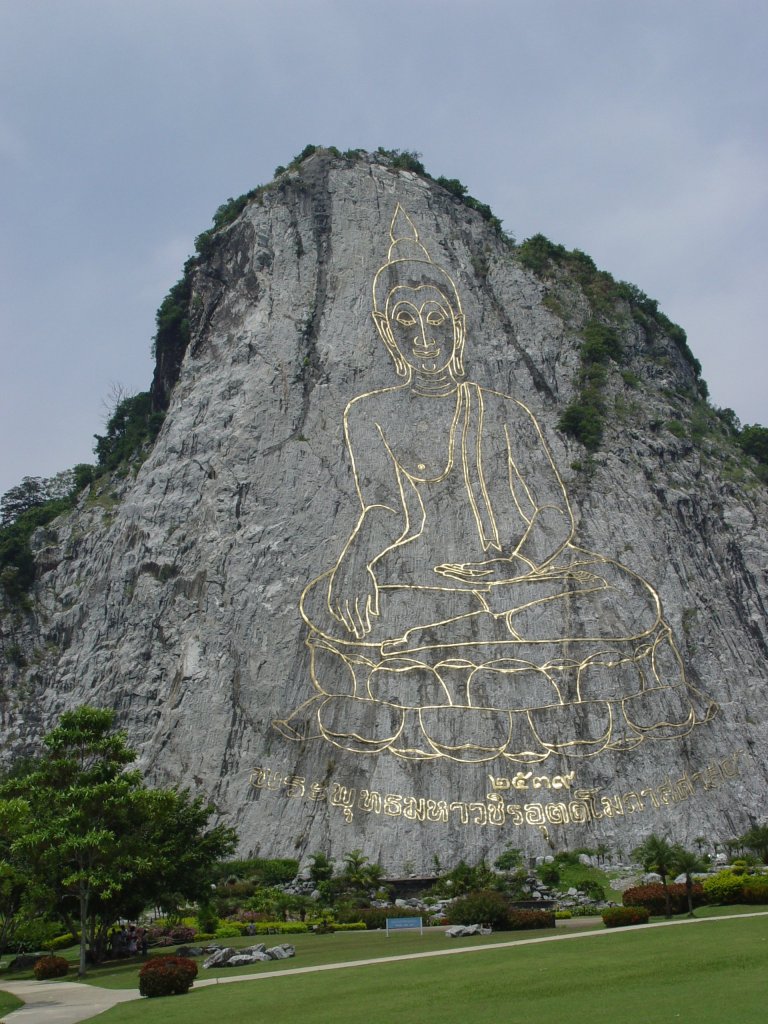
[435, 318]
[405, 318]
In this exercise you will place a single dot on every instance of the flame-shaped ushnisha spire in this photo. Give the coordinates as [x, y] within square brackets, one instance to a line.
[405, 239]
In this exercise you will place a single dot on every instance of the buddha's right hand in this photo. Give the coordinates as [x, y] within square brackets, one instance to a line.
[353, 597]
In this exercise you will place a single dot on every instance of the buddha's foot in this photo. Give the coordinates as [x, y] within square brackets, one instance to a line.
[510, 685]
[360, 725]
[405, 683]
[466, 734]
[577, 729]
[666, 712]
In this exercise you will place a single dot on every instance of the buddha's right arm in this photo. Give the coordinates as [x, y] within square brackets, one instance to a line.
[353, 593]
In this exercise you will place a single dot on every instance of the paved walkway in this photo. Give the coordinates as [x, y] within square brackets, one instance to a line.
[68, 1002]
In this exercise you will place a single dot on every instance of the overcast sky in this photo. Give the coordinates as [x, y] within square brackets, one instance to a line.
[634, 130]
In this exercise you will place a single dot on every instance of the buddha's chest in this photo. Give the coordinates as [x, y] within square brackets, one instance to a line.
[423, 443]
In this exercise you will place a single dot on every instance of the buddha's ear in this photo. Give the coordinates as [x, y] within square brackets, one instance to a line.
[385, 333]
[457, 359]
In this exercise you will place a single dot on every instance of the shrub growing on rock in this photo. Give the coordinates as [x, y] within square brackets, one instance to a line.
[167, 976]
[618, 917]
[50, 967]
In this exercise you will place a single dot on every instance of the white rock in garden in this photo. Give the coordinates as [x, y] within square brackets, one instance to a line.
[220, 957]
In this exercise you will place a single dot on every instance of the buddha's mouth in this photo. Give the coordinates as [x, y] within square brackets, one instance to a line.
[425, 353]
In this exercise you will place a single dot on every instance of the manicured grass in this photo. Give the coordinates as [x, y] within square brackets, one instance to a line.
[314, 949]
[711, 973]
[9, 1003]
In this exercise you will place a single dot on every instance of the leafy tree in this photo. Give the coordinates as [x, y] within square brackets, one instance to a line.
[756, 839]
[657, 854]
[133, 426]
[97, 839]
[15, 888]
[754, 440]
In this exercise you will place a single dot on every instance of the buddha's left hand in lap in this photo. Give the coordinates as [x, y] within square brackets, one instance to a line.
[494, 570]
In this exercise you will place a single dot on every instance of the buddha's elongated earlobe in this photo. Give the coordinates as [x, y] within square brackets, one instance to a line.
[385, 333]
[457, 359]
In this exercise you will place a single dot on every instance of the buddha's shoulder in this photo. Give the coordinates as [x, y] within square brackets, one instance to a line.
[504, 406]
[368, 405]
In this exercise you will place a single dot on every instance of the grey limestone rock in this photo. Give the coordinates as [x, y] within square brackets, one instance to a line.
[282, 952]
[220, 958]
[363, 593]
[244, 959]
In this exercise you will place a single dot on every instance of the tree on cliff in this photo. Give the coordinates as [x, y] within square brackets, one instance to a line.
[100, 843]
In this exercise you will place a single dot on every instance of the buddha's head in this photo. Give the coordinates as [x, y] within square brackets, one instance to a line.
[416, 308]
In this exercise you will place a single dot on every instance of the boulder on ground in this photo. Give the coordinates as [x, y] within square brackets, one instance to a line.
[281, 952]
[459, 931]
[245, 959]
[220, 957]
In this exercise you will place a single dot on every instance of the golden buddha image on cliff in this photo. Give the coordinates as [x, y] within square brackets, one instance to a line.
[460, 619]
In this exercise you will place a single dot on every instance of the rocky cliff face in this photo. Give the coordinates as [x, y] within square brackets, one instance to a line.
[520, 644]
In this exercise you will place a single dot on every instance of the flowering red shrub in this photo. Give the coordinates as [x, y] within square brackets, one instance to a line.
[167, 976]
[170, 935]
[651, 896]
[50, 967]
[617, 917]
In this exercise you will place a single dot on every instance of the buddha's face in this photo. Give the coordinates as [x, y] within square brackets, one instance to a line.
[423, 327]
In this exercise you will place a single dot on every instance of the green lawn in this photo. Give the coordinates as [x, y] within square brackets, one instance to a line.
[8, 1003]
[710, 973]
[310, 950]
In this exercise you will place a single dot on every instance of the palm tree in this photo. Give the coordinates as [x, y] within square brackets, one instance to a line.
[686, 862]
[657, 854]
[602, 852]
[359, 873]
[321, 867]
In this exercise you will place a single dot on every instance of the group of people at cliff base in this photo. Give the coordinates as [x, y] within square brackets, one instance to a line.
[128, 941]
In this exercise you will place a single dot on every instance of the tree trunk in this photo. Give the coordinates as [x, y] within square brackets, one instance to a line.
[667, 898]
[83, 929]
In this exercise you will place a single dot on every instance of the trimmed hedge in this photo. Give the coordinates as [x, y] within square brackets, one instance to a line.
[167, 976]
[726, 887]
[375, 917]
[277, 928]
[520, 920]
[50, 967]
[486, 906]
[651, 896]
[619, 917]
[63, 941]
[755, 889]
